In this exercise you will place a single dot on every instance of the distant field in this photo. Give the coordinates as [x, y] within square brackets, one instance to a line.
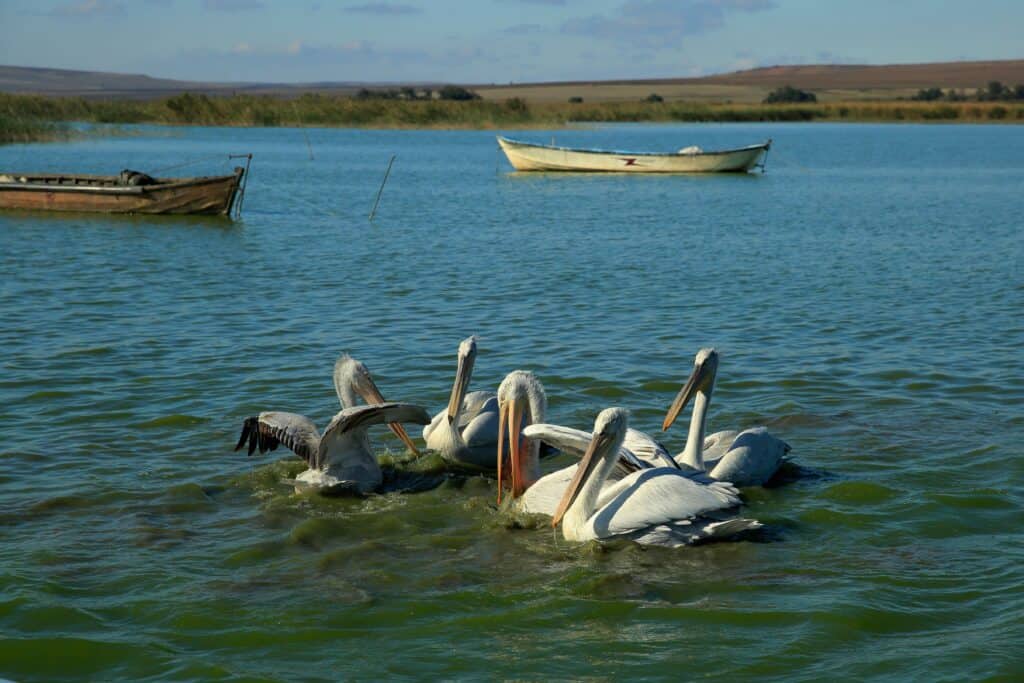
[830, 82]
[683, 92]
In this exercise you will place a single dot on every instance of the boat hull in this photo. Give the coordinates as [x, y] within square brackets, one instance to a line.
[528, 157]
[212, 195]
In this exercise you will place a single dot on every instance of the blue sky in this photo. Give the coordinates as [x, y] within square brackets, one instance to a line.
[494, 41]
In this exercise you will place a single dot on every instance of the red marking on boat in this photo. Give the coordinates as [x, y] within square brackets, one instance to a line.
[630, 161]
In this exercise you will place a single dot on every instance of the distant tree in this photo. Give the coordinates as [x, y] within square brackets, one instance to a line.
[1018, 92]
[455, 92]
[955, 96]
[654, 97]
[928, 94]
[407, 93]
[788, 93]
[993, 92]
[575, 99]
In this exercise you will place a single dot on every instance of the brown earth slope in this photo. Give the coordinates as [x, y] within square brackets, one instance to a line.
[830, 81]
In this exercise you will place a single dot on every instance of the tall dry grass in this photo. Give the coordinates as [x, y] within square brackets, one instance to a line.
[326, 110]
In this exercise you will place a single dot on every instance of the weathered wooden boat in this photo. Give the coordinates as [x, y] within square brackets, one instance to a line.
[525, 156]
[127, 192]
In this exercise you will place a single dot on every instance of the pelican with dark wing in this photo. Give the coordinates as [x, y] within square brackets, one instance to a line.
[340, 461]
[352, 381]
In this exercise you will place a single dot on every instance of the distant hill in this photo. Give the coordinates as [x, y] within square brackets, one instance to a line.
[864, 76]
[834, 81]
[70, 83]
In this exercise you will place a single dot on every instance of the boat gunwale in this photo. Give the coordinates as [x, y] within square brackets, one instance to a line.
[111, 185]
[766, 145]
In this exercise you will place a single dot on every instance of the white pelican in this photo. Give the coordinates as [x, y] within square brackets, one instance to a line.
[341, 460]
[353, 380]
[747, 458]
[466, 432]
[657, 506]
[521, 402]
[522, 405]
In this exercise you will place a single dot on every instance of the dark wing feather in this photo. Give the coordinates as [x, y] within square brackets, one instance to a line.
[267, 431]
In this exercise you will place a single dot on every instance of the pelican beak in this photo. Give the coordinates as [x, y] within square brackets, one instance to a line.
[510, 414]
[501, 449]
[371, 394]
[462, 376]
[689, 390]
[515, 427]
[598, 444]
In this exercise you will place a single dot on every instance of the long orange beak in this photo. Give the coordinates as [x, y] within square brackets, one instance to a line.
[583, 471]
[372, 395]
[510, 415]
[688, 391]
[501, 451]
[515, 426]
[463, 374]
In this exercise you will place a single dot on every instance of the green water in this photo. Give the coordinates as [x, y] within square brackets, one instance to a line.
[865, 296]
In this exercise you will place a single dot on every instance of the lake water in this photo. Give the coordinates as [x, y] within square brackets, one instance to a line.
[866, 296]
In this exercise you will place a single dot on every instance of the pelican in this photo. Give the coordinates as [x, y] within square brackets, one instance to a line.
[341, 460]
[522, 405]
[747, 458]
[351, 381]
[656, 506]
[522, 402]
[466, 432]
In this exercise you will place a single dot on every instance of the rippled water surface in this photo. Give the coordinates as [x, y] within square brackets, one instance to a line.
[866, 296]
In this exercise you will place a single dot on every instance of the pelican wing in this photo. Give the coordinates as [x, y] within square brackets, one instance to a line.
[654, 497]
[269, 429]
[575, 442]
[352, 421]
[345, 450]
[482, 430]
[644, 447]
[476, 403]
[753, 457]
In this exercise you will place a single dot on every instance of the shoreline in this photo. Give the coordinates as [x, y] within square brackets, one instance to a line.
[31, 118]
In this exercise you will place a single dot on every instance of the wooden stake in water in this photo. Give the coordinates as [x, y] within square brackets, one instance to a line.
[298, 117]
[381, 190]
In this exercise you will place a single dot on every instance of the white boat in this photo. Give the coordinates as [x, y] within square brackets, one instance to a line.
[525, 156]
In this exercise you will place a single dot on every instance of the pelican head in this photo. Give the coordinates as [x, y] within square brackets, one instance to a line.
[705, 365]
[521, 402]
[463, 374]
[352, 378]
[609, 432]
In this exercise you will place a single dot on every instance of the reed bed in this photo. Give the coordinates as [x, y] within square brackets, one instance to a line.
[23, 129]
[18, 112]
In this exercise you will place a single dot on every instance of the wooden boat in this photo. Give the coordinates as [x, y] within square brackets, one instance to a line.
[525, 156]
[128, 192]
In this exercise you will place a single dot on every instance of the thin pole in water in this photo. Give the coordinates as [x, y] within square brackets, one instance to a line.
[305, 135]
[381, 190]
[308, 146]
